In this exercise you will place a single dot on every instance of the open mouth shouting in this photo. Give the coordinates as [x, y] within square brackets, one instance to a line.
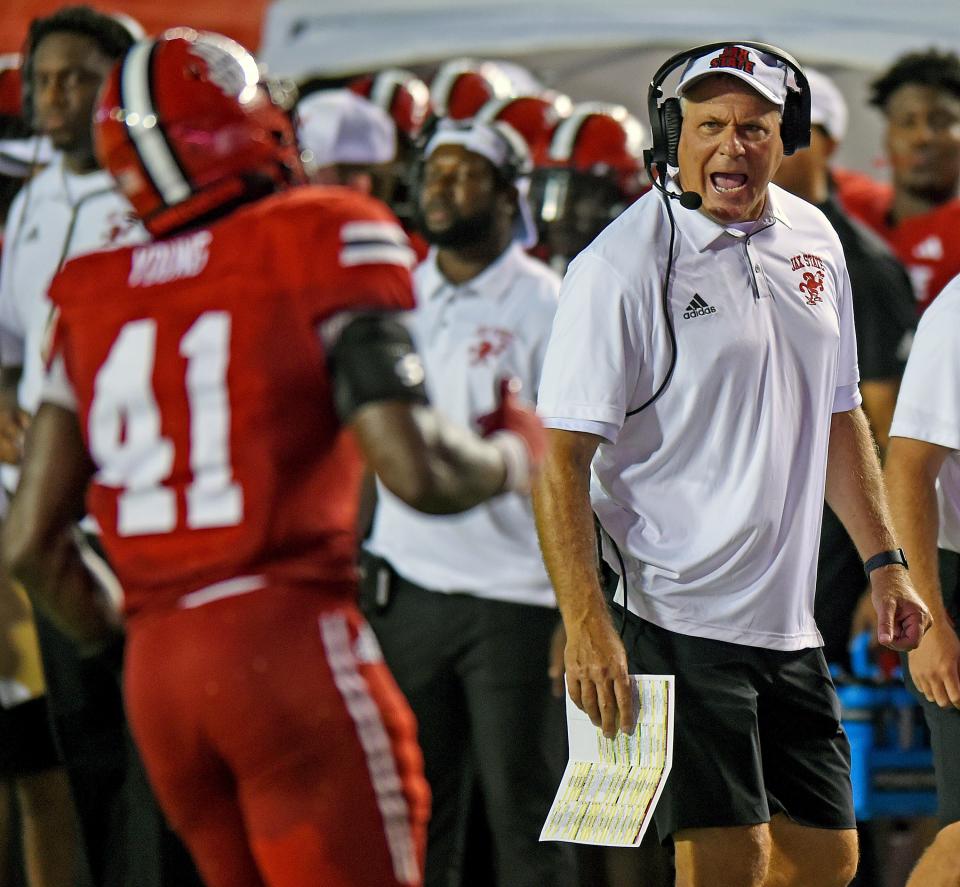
[728, 182]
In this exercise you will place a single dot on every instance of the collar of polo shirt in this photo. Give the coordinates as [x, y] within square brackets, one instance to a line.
[493, 282]
[702, 231]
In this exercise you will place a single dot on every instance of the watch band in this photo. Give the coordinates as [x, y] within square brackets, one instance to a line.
[884, 559]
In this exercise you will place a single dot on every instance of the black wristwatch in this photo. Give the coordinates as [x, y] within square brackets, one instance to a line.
[884, 559]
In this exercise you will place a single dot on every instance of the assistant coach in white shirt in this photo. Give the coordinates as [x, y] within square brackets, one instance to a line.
[461, 603]
[716, 415]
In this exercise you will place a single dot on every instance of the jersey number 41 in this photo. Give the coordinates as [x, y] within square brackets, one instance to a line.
[126, 440]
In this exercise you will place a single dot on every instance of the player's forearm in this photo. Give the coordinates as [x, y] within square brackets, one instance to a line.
[565, 526]
[426, 461]
[60, 585]
[855, 489]
[911, 486]
[460, 470]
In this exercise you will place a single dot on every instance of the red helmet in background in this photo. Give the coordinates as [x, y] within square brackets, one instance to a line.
[461, 87]
[534, 117]
[403, 95]
[11, 85]
[601, 139]
[186, 126]
[591, 174]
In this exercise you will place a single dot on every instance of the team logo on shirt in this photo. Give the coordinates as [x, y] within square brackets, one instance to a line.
[493, 342]
[811, 284]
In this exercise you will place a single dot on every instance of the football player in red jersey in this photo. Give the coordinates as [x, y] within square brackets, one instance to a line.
[919, 216]
[214, 394]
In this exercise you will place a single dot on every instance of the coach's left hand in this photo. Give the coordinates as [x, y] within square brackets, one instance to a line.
[902, 617]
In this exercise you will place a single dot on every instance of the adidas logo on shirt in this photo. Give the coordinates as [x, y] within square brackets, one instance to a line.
[698, 308]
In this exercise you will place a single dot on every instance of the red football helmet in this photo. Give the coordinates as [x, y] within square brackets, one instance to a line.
[534, 117]
[601, 139]
[591, 174]
[403, 95]
[11, 84]
[461, 87]
[186, 126]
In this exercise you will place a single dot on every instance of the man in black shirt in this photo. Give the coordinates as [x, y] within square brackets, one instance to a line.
[884, 315]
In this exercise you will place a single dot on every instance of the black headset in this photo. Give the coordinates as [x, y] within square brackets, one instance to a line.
[666, 117]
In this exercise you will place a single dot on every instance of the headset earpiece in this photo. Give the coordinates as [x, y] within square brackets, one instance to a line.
[671, 118]
[792, 132]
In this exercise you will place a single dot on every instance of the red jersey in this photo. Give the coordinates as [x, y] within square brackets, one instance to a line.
[928, 245]
[204, 397]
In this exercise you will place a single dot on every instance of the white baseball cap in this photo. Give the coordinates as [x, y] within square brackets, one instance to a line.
[827, 106]
[339, 126]
[506, 149]
[766, 73]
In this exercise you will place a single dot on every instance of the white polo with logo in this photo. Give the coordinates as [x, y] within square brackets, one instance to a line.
[714, 493]
[56, 216]
[470, 336]
[928, 406]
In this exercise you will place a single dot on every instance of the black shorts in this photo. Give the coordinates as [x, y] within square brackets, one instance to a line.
[944, 723]
[756, 732]
[26, 739]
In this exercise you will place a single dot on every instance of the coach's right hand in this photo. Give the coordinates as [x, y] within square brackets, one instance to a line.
[597, 676]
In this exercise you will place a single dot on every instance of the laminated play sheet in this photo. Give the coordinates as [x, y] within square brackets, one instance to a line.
[611, 786]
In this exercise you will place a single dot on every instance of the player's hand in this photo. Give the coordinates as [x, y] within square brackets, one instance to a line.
[935, 666]
[902, 617]
[597, 676]
[555, 669]
[13, 425]
[513, 418]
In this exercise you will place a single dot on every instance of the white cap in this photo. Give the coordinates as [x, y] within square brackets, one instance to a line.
[506, 149]
[827, 106]
[767, 74]
[339, 126]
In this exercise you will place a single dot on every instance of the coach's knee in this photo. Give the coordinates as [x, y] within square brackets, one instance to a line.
[722, 857]
[832, 860]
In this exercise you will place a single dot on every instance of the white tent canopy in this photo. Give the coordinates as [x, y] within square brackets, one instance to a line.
[337, 36]
[608, 49]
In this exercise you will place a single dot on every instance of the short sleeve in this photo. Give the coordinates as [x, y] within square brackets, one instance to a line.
[847, 394]
[928, 406]
[594, 355]
[360, 258]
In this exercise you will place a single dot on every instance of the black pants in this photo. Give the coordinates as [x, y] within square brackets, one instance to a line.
[475, 674]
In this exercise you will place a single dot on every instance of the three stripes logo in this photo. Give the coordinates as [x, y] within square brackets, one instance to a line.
[698, 308]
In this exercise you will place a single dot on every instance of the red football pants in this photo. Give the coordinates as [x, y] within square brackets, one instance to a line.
[277, 742]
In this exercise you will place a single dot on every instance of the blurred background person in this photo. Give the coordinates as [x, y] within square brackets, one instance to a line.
[406, 98]
[462, 605]
[346, 140]
[884, 317]
[591, 173]
[919, 215]
[70, 208]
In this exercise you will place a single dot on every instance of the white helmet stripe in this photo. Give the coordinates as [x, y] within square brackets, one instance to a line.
[141, 122]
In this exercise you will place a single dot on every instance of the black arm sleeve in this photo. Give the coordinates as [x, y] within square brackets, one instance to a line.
[371, 358]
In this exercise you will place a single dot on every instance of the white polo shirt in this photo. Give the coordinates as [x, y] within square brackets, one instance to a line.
[470, 336]
[928, 406]
[55, 216]
[714, 493]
